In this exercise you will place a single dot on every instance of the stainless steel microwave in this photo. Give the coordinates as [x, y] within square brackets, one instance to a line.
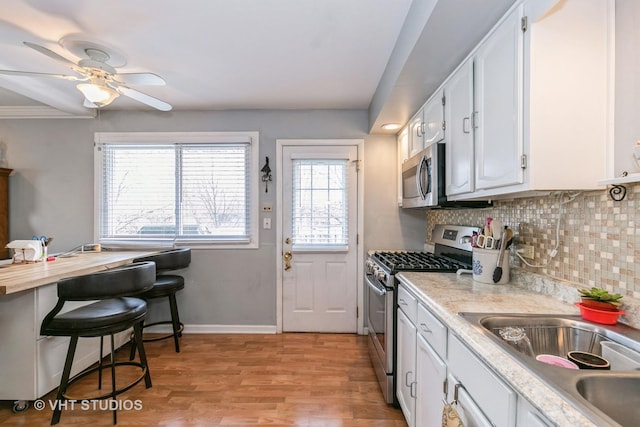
[423, 181]
[420, 180]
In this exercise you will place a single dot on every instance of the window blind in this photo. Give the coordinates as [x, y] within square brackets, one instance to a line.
[189, 192]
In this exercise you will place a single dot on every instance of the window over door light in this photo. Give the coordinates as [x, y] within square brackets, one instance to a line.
[98, 93]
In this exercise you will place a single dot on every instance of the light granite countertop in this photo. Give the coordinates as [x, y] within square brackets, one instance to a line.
[447, 294]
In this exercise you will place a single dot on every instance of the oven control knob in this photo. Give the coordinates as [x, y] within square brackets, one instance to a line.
[369, 266]
[381, 276]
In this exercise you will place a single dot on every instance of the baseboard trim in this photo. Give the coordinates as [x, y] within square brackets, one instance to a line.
[217, 329]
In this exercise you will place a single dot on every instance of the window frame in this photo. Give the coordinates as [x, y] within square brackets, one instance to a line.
[142, 138]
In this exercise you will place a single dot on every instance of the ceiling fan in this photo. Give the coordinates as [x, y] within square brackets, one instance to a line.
[100, 82]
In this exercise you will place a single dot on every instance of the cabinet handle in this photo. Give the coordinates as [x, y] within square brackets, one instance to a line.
[419, 131]
[402, 302]
[455, 392]
[425, 329]
[406, 379]
[411, 389]
[466, 125]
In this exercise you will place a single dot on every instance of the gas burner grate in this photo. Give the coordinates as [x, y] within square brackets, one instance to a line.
[416, 261]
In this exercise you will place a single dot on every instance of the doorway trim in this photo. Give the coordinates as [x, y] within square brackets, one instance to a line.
[280, 144]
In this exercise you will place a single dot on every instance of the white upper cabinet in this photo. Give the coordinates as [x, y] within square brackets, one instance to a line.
[543, 86]
[459, 158]
[433, 116]
[416, 133]
[497, 120]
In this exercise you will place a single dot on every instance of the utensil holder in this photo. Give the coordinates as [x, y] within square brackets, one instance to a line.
[484, 264]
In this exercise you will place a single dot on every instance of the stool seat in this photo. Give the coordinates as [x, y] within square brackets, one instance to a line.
[165, 285]
[110, 308]
[98, 319]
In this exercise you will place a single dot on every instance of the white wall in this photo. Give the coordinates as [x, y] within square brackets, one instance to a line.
[51, 192]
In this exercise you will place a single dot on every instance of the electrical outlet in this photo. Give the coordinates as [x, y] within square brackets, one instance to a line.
[527, 251]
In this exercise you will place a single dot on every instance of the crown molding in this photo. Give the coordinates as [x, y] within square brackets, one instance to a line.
[40, 112]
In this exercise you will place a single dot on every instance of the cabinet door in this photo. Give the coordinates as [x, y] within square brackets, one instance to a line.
[469, 412]
[431, 374]
[416, 134]
[496, 400]
[498, 101]
[406, 381]
[528, 416]
[433, 116]
[459, 142]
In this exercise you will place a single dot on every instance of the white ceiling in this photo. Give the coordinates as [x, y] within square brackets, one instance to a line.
[214, 54]
[248, 54]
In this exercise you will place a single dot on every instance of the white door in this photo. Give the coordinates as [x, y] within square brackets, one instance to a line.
[406, 365]
[434, 119]
[319, 238]
[498, 100]
[459, 146]
[431, 373]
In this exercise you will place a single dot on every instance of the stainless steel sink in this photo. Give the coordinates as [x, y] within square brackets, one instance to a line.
[607, 397]
[615, 394]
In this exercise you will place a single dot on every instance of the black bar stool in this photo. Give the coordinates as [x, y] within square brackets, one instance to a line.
[115, 311]
[166, 285]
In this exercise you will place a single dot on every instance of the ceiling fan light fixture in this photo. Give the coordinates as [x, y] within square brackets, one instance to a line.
[98, 94]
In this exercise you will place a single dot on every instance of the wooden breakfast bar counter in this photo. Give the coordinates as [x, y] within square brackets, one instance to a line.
[21, 277]
[31, 364]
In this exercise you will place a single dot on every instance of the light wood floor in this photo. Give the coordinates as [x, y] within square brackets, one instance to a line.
[240, 380]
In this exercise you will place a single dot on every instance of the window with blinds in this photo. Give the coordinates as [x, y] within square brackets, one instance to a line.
[319, 212]
[182, 189]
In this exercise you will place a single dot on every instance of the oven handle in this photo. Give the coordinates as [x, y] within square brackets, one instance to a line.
[379, 291]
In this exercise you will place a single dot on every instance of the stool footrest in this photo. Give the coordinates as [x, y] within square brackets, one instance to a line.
[111, 393]
[163, 337]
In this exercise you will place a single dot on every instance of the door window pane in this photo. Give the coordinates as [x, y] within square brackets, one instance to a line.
[319, 212]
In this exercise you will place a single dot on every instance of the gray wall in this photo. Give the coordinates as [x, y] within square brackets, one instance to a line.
[51, 192]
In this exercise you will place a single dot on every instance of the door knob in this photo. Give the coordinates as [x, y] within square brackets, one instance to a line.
[287, 260]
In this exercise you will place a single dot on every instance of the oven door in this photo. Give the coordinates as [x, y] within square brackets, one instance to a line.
[380, 324]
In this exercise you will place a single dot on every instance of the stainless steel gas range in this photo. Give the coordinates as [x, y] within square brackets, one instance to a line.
[452, 251]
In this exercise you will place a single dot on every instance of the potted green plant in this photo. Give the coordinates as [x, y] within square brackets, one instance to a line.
[600, 299]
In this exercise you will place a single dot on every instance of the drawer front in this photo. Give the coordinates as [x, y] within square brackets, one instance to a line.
[408, 303]
[433, 331]
[496, 400]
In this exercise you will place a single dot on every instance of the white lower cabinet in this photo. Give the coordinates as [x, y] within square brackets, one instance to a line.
[434, 365]
[421, 369]
[528, 416]
[495, 400]
[406, 357]
[32, 365]
[468, 411]
[431, 374]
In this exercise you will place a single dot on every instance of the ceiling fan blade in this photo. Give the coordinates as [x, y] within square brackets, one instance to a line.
[51, 54]
[57, 76]
[144, 98]
[145, 79]
[89, 104]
